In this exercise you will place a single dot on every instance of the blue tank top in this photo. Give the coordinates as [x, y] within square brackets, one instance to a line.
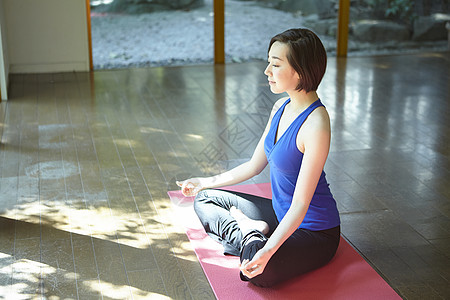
[285, 161]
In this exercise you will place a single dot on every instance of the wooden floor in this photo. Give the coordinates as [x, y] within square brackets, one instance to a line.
[87, 159]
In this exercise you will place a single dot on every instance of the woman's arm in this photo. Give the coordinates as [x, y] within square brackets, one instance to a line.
[243, 172]
[236, 175]
[316, 141]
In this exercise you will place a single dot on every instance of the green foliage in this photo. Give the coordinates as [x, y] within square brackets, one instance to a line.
[398, 10]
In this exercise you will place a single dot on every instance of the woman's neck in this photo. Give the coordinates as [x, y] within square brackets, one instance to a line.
[301, 100]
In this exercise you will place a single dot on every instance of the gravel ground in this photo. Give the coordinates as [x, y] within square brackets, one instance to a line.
[186, 37]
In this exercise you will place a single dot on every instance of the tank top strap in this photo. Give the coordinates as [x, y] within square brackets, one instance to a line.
[312, 107]
[304, 115]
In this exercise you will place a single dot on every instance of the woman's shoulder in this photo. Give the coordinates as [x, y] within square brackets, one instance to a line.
[318, 120]
[315, 130]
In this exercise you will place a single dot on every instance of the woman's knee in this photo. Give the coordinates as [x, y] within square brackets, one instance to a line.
[270, 277]
[208, 206]
[200, 199]
[265, 280]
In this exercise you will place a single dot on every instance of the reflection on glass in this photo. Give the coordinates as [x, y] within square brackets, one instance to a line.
[160, 33]
[400, 26]
[151, 33]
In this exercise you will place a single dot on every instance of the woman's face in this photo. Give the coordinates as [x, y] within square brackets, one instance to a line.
[282, 77]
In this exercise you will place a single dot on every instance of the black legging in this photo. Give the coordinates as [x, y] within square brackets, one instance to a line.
[302, 252]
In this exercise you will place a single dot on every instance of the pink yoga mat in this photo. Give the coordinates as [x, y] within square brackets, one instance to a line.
[347, 276]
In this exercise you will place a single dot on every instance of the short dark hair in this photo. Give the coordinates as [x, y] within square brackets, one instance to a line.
[306, 55]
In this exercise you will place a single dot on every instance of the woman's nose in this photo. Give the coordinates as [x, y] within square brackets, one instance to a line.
[267, 70]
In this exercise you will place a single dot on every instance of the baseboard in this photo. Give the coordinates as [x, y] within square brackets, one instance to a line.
[49, 68]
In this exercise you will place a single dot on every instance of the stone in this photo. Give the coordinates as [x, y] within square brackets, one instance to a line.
[308, 7]
[324, 27]
[322, 8]
[431, 28]
[380, 31]
[147, 6]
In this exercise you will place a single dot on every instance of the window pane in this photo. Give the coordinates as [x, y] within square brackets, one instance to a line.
[128, 33]
[397, 26]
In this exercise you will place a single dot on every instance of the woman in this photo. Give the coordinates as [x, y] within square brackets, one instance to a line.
[298, 230]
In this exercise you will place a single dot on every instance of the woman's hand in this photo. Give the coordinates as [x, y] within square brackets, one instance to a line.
[190, 187]
[257, 265]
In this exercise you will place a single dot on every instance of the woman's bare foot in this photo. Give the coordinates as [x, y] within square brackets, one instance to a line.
[246, 224]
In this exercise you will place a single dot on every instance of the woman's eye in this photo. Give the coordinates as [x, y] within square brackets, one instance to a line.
[276, 66]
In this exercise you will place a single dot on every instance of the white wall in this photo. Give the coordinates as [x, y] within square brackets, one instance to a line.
[4, 62]
[46, 35]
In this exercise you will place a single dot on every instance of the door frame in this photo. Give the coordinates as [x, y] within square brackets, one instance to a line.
[89, 33]
[4, 67]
